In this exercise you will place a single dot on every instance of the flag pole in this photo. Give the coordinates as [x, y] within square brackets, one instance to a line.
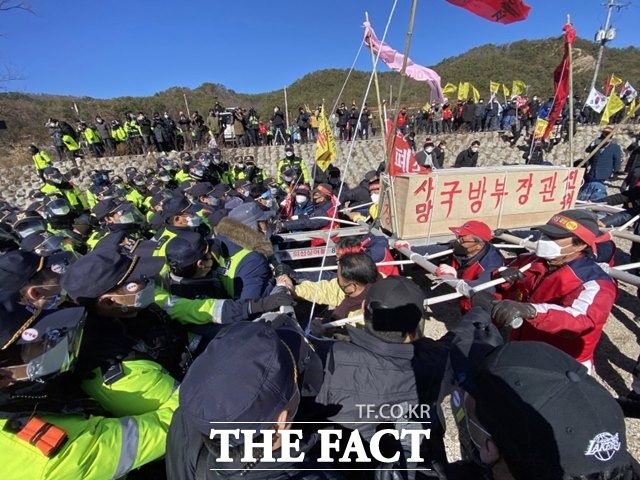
[375, 79]
[392, 133]
[571, 119]
[184, 95]
[286, 110]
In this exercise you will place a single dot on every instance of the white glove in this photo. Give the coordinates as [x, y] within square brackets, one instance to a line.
[446, 270]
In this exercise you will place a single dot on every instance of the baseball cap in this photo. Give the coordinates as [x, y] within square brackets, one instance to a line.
[186, 250]
[104, 269]
[254, 352]
[288, 148]
[176, 205]
[105, 207]
[394, 304]
[547, 415]
[199, 189]
[475, 228]
[241, 183]
[249, 213]
[303, 190]
[580, 223]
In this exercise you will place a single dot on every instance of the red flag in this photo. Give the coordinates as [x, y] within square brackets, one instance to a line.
[501, 11]
[561, 80]
[402, 159]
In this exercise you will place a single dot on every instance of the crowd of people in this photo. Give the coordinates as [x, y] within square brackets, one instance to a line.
[142, 312]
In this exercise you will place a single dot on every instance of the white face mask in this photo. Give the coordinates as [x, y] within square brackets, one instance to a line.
[428, 149]
[194, 221]
[142, 299]
[273, 190]
[474, 149]
[548, 249]
[375, 197]
[301, 199]
[289, 154]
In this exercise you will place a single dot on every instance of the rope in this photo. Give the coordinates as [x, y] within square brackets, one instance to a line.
[346, 79]
[346, 169]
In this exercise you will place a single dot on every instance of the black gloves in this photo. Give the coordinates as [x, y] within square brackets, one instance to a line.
[270, 303]
[484, 300]
[282, 269]
[511, 274]
[505, 312]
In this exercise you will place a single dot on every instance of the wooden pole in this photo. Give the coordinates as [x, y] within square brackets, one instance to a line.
[186, 104]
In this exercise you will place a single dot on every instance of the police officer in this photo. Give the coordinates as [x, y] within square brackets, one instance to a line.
[55, 182]
[50, 429]
[298, 165]
[122, 224]
[269, 397]
[194, 295]
[41, 159]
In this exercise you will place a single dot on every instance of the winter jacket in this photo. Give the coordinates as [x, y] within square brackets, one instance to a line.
[477, 270]
[466, 158]
[572, 303]
[605, 162]
[241, 253]
[189, 459]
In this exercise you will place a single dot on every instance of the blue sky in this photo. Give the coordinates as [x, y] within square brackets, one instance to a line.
[139, 47]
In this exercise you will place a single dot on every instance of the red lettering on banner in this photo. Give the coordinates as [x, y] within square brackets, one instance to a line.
[476, 194]
[401, 158]
[450, 194]
[570, 181]
[525, 184]
[499, 191]
[423, 209]
[548, 191]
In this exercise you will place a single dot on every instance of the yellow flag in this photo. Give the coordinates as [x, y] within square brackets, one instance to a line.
[463, 90]
[449, 88]
[615, 81]
[494, 87]
[427, 107]
[518, 87]
[614, 105]
[307, 109]
[541, 127]
[505, 90]
[325, 145]
[475, 93]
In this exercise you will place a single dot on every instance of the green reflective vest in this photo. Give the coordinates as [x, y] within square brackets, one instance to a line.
[41, 160]
[73, 196]
[227, 270]
[96, 448]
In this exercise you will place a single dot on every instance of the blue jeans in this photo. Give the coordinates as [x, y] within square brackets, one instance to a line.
[592, 191]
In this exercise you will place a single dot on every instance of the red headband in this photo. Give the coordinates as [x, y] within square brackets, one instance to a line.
[580, 231]
[324, 190]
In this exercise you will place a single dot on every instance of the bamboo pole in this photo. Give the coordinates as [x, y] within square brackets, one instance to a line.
[571, 119]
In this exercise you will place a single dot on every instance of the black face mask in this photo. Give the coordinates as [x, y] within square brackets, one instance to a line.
[458, 248]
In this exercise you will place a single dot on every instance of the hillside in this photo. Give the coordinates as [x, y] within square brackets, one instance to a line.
[532, 61]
